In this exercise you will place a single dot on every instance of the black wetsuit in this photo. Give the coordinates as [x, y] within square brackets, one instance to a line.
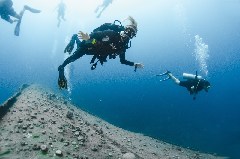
[197, 84]
[6, 10]
[101, 44]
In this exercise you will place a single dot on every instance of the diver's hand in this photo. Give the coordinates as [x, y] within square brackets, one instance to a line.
[138, 65]
[69, 48]
[83, 36]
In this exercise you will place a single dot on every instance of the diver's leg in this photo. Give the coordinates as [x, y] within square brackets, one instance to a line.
[63, 16]
[59, 20]
[62, 81]
[14, 14]
[29, 9]
[76, 55]
[103, 8]
[100, 13]
[96, 10]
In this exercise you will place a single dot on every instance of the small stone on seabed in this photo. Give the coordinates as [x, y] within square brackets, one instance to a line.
[129, 155]
[94, 149]
[35, 147]
[69, 115]
[44, 148]
[59, 153]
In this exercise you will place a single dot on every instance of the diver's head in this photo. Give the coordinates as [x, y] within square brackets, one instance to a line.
[206, 85]
[130, 30]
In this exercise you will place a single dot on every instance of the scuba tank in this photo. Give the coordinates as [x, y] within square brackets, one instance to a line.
[191, 76]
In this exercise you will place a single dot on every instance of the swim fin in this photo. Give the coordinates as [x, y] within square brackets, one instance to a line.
[31, 9]
[164, 79]
[17, 28]
[165, 73]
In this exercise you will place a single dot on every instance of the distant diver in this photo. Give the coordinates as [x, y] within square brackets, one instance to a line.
[6, 10]
[108, 40]
[194, 83]
[102, 7]
[61, 12]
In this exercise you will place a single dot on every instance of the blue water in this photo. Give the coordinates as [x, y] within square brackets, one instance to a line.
[137, 101]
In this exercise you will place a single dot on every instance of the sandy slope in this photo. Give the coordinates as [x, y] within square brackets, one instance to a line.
[39, 123]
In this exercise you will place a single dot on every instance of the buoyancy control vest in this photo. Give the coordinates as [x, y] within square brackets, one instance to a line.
[104, 27]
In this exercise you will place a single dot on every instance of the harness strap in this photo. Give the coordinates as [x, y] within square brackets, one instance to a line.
[197, 86]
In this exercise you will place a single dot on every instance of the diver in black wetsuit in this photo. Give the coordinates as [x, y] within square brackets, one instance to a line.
[108, 40]
[6, 10]
[194, 83]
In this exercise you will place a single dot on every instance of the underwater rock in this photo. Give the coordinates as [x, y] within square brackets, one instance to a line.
[94, 149]
[129, 155]
[69, 115]
[44, 148]
[36, 147]
[59, 153]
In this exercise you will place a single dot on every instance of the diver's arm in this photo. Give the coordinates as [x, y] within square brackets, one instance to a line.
[124, 61]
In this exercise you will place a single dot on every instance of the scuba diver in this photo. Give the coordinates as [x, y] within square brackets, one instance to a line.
[61, 12]
[102, 7]
[194, 83]
[108, 40]
[6, 10]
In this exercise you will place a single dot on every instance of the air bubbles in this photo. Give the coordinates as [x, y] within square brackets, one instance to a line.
[201, 54]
